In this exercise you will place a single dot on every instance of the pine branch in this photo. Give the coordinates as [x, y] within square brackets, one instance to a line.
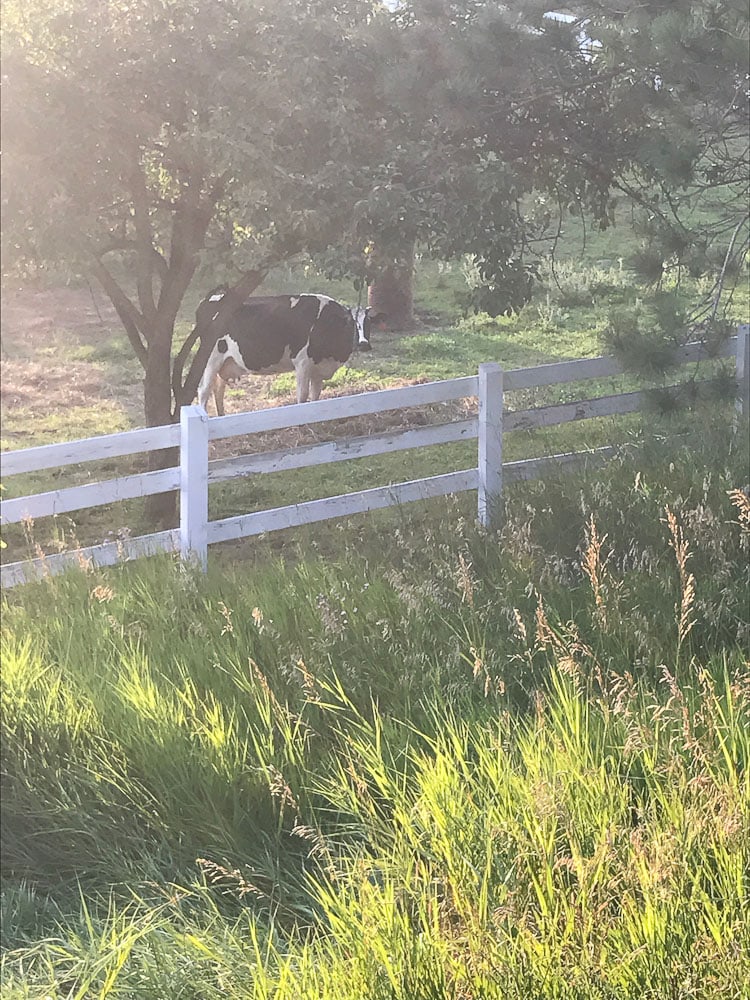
[720, 283]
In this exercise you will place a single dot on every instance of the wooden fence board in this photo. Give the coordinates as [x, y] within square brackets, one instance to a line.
[358, 405]
[50, 456]
[617, 404]
[562, 372]
[490, 444]
[535, 468]
[742, 370]
[89, 495]
[292, 516]
[340, 450]
[582, 409]
[194, 485]
[106, 554]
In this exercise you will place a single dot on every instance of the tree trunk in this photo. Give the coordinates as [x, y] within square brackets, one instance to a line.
[161, 508]
[392, 291]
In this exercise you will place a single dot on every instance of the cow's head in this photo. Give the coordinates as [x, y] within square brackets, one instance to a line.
[364, 318]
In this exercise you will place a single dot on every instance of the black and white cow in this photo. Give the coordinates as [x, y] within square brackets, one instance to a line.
[310, 334]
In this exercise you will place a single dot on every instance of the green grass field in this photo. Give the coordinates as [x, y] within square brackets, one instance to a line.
[411, 760]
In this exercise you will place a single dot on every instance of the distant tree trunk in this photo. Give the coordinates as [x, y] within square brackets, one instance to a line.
[392, 291]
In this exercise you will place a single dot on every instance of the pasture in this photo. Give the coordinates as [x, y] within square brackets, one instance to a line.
[397, 756]
[68, 373]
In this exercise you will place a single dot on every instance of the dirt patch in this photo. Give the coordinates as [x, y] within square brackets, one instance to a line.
[34, 385]
[41, 331]
[30, 316]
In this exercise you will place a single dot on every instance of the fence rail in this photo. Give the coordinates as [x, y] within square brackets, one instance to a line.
[51, 456]
[340, 450]
[195, 472]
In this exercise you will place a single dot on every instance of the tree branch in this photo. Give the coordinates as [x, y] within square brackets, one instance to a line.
[190, 225]
[144, 243]
[130, 318]
[722, 276]
[160, 262]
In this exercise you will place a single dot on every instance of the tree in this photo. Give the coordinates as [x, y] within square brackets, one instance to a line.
[513, 120]
[681, 133]
[472, 92]
[392, 290]
[142, 139]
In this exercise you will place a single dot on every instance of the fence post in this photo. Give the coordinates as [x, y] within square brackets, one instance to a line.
[194, 485]
[490, 470]
[743, 369]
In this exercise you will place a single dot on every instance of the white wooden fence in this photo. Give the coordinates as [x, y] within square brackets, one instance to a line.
[195, 471]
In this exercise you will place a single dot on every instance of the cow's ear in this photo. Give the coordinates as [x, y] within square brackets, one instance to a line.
[376, 317]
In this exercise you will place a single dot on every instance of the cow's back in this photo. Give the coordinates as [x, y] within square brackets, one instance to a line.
[267, 329]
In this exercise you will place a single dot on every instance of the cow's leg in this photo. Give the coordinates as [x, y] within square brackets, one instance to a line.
[220, 387]
[324, 369]
[303, 386]
[207, 379]
[303, 367]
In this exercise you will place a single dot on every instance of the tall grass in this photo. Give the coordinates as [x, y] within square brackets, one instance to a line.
[446, 764]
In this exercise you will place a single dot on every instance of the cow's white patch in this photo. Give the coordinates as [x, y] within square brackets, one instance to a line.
[323, 301]
[216, 362]
[359, 314]
[232, 352]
